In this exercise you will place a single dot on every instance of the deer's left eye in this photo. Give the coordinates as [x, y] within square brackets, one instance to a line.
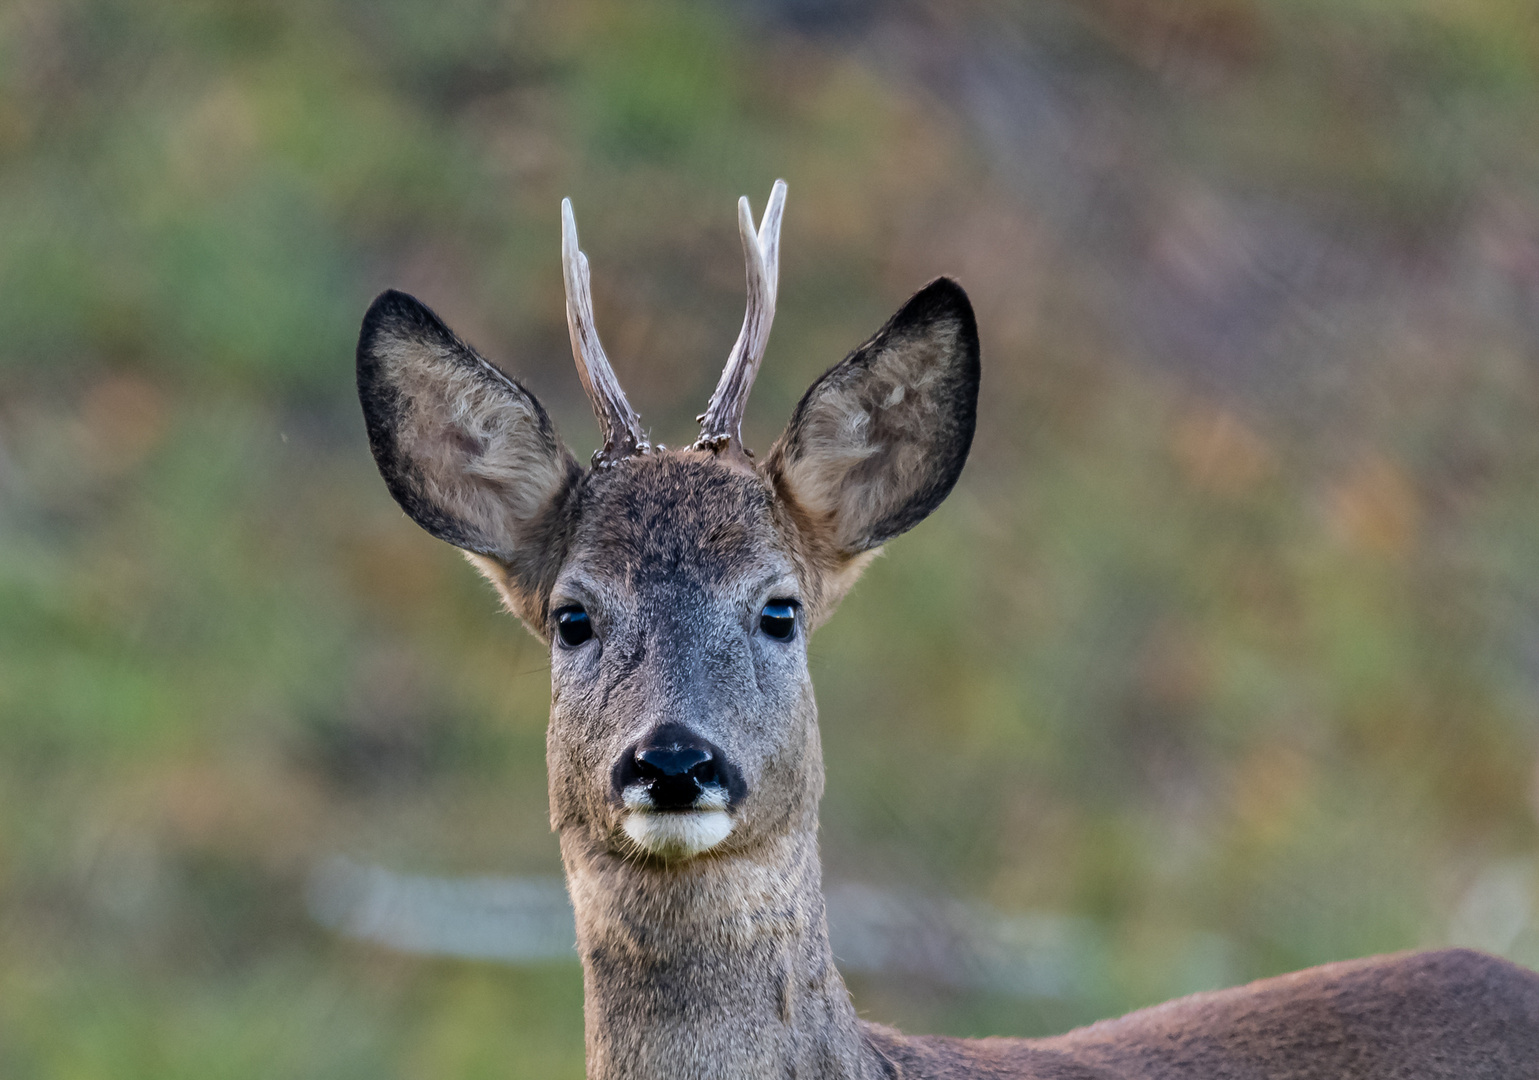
[778, 619]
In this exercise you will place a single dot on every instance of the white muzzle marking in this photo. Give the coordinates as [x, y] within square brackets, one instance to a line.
[676, 833]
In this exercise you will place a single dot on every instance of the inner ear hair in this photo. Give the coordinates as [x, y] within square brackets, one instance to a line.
[878, 442]
[466, 451]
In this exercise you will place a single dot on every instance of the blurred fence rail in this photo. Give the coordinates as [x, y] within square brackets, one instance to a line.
[523, 920]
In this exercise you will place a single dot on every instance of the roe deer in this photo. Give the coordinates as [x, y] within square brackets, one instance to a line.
[676, 590]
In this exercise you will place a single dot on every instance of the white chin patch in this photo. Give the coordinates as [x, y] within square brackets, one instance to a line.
[677, 833]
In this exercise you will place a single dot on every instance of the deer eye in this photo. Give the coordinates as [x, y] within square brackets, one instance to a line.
[573, 626]
[778, 619]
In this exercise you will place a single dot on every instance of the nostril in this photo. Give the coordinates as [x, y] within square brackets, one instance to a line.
[704, 772]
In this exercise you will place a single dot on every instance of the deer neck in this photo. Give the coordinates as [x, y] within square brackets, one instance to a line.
[719, 967]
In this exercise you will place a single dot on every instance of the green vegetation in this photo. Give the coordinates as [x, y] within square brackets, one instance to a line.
[1239, 672]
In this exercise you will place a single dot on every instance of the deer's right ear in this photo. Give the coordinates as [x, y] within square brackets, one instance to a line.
[468, 453]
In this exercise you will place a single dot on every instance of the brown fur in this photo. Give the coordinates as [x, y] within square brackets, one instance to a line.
[718, 965]
[1454, 1013]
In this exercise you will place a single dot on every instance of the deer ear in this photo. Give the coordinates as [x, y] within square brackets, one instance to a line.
[468, 453]
[880, 439]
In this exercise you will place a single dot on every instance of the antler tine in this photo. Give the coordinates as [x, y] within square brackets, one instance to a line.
[620, 423]
[722, 423]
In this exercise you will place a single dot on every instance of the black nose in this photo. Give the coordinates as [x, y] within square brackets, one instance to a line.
[674, 763]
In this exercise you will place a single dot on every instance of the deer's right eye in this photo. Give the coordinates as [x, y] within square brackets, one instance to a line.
[573, 626]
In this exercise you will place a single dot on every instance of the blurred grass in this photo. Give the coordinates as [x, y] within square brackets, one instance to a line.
[1246, 678]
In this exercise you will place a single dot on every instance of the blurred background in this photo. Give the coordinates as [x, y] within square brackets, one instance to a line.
[1222, 660]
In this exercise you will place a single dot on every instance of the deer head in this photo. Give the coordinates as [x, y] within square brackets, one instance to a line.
[676, 588]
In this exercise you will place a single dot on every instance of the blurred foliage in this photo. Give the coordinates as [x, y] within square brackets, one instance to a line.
[1237, 659]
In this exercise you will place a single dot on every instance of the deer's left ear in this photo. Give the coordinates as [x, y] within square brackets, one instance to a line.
[880, 439]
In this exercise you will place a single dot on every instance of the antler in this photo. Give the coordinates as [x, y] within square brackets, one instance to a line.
[622, 426]
[721, 425]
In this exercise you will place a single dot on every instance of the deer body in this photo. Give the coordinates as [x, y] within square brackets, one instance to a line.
[677, 589]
